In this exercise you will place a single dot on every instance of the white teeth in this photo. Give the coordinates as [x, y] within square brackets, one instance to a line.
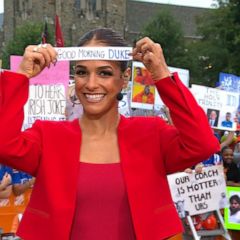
[94, 97]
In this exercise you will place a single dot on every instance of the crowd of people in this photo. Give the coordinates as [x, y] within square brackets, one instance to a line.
[14, 182]
[102, 172]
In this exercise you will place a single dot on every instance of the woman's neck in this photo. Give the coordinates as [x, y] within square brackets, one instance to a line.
[99, 125]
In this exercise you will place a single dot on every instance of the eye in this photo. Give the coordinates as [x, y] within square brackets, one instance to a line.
[105, 73]
[80, 72]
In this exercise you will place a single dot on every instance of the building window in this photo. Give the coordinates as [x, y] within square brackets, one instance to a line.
[89, 8]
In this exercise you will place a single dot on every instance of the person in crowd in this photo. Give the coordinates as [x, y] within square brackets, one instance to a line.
[227, 122]
[102, 176]
[234, 208]
[230, 167]
[21, 182]
[145, 96]
[5, 182]
[236, 154]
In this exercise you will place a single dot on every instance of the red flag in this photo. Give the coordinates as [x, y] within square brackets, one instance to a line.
[58, 33]
[45, 34]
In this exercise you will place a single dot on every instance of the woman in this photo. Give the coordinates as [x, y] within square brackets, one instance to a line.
[102, 176]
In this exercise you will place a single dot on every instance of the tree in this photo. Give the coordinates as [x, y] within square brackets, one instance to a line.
[218, 51]
[27, 34]
[165, 30]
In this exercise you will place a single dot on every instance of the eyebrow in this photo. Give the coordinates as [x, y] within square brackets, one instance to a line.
[99, 68]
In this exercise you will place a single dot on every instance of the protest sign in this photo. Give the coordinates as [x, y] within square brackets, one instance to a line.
[94, 53]
[198, 193]
[229, 82]
[220, 106]
[144, 94]
[58, 74]
[47, 93]
[232, 210]
[45, 102]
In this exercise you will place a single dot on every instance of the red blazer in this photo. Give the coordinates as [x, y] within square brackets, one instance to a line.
[149, 149]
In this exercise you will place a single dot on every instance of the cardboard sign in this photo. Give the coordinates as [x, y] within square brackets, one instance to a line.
[144, 94]
[198, 193]
[220, 106]
[232, 210]
[94, 53]
[45, 102]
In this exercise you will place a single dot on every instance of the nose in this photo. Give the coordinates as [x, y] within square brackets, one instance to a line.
[92, 83]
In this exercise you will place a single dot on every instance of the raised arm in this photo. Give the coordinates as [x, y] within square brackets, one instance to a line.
[19, 149]
[191, 139]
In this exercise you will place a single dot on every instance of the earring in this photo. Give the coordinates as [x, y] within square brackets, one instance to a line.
[119, 96]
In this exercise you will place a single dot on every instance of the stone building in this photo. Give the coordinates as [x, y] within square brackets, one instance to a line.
[138, 13]
[78, 16]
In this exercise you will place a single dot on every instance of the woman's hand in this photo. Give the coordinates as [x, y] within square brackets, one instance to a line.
[36, 58]
[151, 55]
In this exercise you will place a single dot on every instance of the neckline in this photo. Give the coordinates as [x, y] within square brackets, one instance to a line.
[99, 164]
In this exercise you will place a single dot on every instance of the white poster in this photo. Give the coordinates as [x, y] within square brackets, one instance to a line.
[45, 102]
[144, 93]
[198, 193]
[220, 106]
[94, 53]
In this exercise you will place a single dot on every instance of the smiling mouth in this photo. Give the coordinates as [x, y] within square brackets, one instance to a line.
[94, 97]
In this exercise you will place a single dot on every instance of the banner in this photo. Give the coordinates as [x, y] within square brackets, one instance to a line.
[47, 93]
[229, 82]
[220, 106]
[94, 53]
[58, 74]
[198, 193]
[232, 210]
[144, 94]
[45, 102]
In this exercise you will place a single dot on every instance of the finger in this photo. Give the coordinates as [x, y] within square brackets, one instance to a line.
[143, 45]
[37, 58]
[148, 58]
[31, 53]
[51, 51]
[137, 57]
[46, 56]
[147, 47]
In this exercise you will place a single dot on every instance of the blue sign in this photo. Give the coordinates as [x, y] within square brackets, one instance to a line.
[229, 82]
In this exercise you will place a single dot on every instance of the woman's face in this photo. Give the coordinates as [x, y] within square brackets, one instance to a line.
[97, 83]
[227, 155]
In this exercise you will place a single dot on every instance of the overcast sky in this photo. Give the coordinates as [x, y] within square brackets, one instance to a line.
[195, 3]
[1, 6]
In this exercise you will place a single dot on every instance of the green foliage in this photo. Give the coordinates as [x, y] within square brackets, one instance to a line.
[166, 31]
[27, 34]
[218, 51]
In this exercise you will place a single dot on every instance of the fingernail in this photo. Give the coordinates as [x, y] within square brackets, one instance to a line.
[54, 62]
